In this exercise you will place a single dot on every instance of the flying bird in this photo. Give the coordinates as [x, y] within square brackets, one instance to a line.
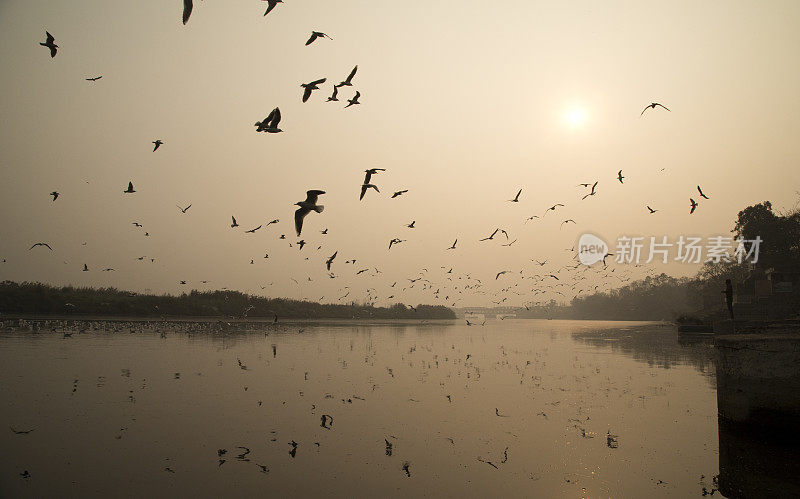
[454, 245]
[698, 190]
[234, 224]
[371, 172]
[95, 78]
[270, 123]
[315, 35]
[54, 194]
[309, 87]
[329, 261]
[591, 193]
[41, 244]
[411, 225]
[183, 210]
[271, 5]
[395, 241]
[552, 208]
[653, 106]
[620, 177]
[364, 188]
[252, 231]
[349, 81]
[354, 100]
[567, 221]
[129, 190]
[187, 10]
[85, 268]
[305, 207]
[158, 143]
[333, 96]
[273, 222]
[49, 44]
[651, 210]
[399, 193]
[490, 237]
[694, 205]
[516, 198]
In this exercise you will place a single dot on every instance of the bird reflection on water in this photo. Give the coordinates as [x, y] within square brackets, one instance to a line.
[524, 397]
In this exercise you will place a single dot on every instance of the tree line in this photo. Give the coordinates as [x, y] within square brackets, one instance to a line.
[35, 298]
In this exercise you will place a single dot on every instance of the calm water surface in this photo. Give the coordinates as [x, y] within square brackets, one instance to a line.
[513, 408]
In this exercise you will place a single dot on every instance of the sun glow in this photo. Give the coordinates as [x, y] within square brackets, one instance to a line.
[575, 117]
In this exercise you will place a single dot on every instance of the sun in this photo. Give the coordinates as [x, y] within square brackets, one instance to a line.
[575, 117]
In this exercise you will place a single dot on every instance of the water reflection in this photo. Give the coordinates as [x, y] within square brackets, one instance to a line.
[658, 345]
[516, 408]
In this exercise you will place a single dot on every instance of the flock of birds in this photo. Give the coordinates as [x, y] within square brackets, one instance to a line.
[452, 290]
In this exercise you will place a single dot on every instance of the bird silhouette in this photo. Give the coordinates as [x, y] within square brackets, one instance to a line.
[454, 245]
[411, 225]
[395, 241]
[698, 190]
[652, 106]
[620, 177]
[490, 237]
[516, 198]
[55, 195]
[315, 35]
[651, 210]
[129, 190]
[329, 261]
[354, 100]
[591, 193]
[251, 231]
[309, 87]
[271, 5]
[348, 82]
[95, 78]
[234, 224]
[567, 221]
[158, 143]
[272, 222]
[364, 188]
[399, 193]
[49, 44]
[305, 207]
[183, 210]
[187, 10]
[333, 96]
[552, 208]
[270, 123]
[693, 205]
[372, 171]
[41, 244]
[85, 268]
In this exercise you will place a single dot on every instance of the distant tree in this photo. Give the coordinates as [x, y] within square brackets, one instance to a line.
[780, 234]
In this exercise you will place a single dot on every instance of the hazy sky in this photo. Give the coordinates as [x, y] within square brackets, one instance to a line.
[463, 103]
